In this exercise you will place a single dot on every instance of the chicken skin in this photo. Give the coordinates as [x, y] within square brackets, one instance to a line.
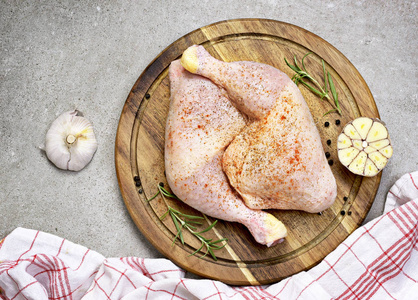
[277, 160]
[201, 123]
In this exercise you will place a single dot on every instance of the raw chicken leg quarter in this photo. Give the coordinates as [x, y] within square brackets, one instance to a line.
[239, 139]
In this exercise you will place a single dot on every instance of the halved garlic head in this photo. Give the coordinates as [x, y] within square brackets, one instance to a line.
[364, 146]
[70, 141]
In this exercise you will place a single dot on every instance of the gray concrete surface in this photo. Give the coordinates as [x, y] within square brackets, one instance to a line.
[88, 54]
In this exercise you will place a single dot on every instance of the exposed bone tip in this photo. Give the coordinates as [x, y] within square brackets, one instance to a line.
[189, 59]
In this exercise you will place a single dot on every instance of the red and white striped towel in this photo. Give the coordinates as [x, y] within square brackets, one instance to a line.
[378, 261]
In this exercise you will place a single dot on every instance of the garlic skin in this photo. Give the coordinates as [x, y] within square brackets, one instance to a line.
[70, 142]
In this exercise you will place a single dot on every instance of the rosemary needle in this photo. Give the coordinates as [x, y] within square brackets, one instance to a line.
[188, 222]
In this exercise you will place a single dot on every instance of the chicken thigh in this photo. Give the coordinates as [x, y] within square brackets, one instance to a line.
[201, 123]
[277, 160]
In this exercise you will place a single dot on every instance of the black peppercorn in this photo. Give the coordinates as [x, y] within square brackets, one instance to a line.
[140, 190]
[327, 154]
[329, 142]
[147, 96]
[337, 122]
[345, 198]
[330, 162]
[349, 213]
[342, 212]
[161, 184]
[136, 178]
[138, 183]
[326, 124]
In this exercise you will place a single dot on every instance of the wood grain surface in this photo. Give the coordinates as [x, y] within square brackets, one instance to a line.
[139, 156]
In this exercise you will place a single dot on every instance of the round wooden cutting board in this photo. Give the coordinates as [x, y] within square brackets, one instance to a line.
[139, 156]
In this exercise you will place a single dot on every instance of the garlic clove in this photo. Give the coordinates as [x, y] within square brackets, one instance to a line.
[344, 141]
[70, 141]
[370, 168]
[347, 155]
[379, 144]
[378, 132]
[351, 132]
[358, 163]
[362, 126]
[358, 144]
[369, 149]
[387, 151]
[378, 159]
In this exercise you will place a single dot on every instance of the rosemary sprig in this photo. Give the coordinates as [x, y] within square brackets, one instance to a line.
[188, 222]
[314, 85]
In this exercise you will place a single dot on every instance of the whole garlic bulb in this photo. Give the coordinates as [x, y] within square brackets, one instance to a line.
[364, 146]
[70, 141]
